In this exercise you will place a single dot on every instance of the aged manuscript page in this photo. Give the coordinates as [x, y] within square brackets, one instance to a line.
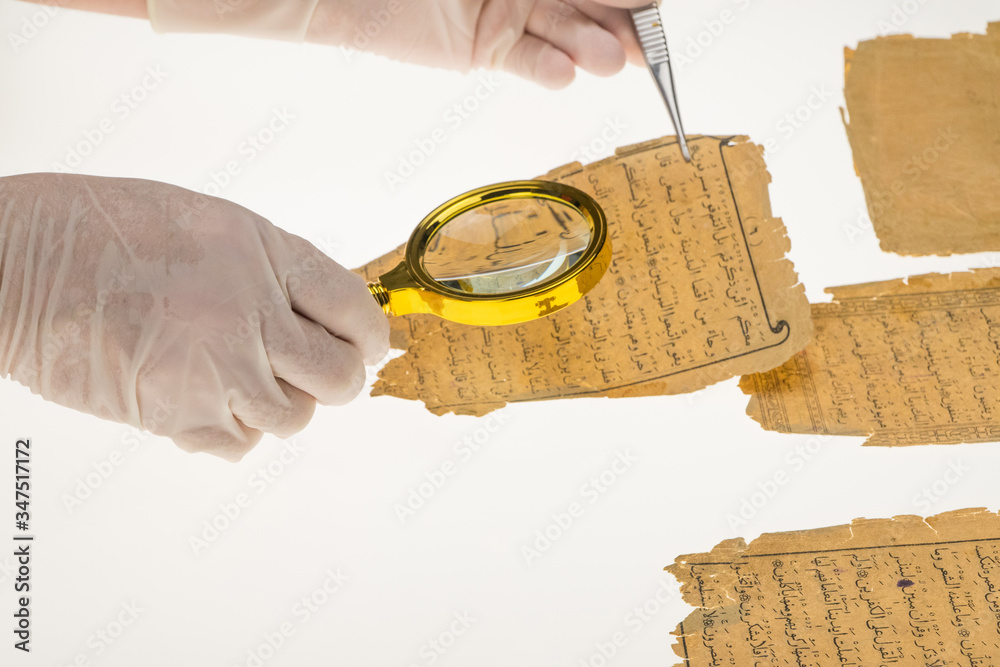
[698, 291]
[904, 363]
[895, 592]
[925, 132]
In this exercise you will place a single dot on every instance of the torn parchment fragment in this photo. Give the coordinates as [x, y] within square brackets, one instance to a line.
[925, 132]
[698, 291]
[900, 591]
[905, 363]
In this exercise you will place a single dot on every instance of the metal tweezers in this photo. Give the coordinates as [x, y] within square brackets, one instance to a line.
[649, 28]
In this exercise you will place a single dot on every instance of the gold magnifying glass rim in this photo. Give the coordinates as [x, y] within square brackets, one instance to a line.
[408, 288]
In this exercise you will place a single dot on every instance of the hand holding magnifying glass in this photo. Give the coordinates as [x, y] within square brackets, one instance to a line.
[500, 254]
[194, 318]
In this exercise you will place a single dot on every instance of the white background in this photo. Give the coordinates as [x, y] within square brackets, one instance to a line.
[698, 458]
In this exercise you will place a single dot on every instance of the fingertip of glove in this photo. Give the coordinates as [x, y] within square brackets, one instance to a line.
[554, 69]
[220, 442]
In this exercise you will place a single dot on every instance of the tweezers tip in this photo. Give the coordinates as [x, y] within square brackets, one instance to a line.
[684, 149]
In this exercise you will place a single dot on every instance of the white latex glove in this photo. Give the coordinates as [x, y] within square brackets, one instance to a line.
[541, 40]
[178, 313]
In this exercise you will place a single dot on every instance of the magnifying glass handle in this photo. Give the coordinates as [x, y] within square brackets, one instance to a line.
[381, 295]
[397, 293]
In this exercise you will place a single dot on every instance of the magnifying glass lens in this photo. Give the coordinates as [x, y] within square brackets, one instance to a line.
[500, 254]
[505, 246]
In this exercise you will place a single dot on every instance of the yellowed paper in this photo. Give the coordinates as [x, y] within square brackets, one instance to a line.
[698, 291]
[900, 592]
[905, 363]
[925, 132]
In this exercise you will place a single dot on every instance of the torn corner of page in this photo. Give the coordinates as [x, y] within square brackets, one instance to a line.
[901, 591]
[928, 163]
[377, 267]
[698, 291]
[560, 172]
[902, 362]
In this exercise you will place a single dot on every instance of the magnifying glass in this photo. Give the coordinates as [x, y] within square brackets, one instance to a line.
[500, 254]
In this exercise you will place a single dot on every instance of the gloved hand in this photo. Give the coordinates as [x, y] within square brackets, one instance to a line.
[178, 313]
[541, 40]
